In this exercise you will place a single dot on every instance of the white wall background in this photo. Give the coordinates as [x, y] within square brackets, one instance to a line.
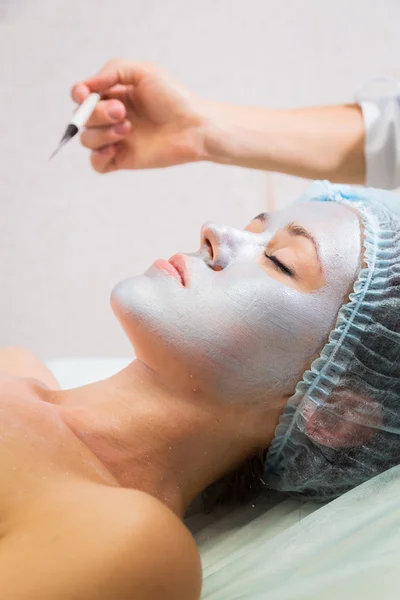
[67, 235]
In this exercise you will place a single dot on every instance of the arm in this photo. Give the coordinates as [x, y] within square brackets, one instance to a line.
[156, 122]
[323, 142]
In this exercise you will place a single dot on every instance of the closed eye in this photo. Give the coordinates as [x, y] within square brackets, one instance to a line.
[279, 265]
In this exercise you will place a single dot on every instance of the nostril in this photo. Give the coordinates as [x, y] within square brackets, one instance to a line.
[213, 258]
[209, 248]
[210, 244]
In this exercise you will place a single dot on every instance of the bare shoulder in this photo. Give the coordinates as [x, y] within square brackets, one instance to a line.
[20, 362]
[99, 543]
[168, 561]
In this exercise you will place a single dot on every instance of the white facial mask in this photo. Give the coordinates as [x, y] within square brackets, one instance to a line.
[237, 331]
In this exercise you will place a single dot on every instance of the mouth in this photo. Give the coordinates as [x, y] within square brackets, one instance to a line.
[174, 267]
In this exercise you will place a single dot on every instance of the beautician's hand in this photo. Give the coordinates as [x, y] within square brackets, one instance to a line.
[144, 120]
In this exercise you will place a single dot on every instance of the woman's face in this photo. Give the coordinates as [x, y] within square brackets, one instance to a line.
[244, 316]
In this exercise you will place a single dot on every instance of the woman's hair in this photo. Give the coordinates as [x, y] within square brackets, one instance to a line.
[237, 487]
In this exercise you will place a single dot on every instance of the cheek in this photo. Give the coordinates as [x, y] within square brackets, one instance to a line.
[257, 336]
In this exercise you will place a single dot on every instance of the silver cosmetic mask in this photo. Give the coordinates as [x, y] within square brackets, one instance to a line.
[236, 331]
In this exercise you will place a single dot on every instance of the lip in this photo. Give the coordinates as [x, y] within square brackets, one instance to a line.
[174, 267]
[178, 261]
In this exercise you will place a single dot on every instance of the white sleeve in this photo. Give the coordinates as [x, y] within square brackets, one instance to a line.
[381, 113]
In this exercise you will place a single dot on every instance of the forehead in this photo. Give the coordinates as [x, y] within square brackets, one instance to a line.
[321, 216]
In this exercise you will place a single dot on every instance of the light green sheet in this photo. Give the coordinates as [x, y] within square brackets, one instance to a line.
[348, 549]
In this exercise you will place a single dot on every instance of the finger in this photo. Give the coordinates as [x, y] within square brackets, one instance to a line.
[117, 72]
[79, 92]
[124, 93]
[103, 160]
[116, 91]
[97, 137]
[108, 112]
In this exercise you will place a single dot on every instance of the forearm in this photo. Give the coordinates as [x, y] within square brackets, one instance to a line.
[315, 143]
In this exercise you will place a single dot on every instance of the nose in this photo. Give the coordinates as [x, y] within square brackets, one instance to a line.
[221, 244]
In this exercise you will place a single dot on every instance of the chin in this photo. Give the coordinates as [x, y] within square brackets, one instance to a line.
[141, 306]
[145, 308]
[130, 301]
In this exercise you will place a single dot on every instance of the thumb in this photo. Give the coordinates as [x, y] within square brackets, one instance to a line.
[115, 72]
[103, 159]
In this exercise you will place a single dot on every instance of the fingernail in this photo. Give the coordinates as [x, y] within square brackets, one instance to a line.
[79, 92]
[104, 150]
[115, 111]
[122, 128]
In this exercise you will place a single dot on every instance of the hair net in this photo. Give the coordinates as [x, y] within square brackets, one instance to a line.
[342, 425]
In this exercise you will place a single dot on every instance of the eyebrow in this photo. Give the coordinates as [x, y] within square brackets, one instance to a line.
[263, 217]
[297, 230]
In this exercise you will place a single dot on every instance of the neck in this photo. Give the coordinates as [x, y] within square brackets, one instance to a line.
[169, 444]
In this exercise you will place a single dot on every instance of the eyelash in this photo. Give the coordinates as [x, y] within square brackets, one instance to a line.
[283, 268]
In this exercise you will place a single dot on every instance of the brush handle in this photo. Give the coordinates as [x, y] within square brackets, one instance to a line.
[84, 110]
